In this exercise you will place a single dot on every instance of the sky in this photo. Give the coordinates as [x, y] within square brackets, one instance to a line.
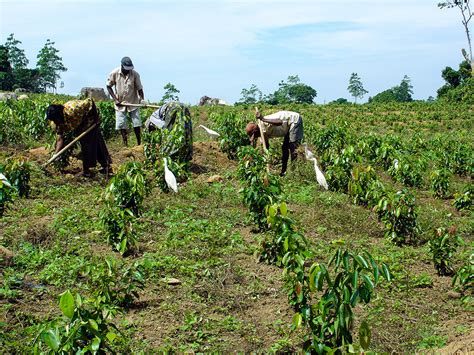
[219, 47]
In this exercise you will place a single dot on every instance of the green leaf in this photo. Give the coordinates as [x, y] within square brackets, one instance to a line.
[95, 344]
[368, 282]
[297, 320]
[51, 339]
[111, 336]
[66, 304]
[386, 273]
[361, 261]
[272, 211]
[365, 335]
[283, 209]
[93, 324]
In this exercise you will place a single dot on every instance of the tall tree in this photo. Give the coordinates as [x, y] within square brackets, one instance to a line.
[355, 87]
[6, 77]
[404, 91]
[251, 95]
[16, 55]
[292, 91]
[49, 65]
[467, 14]
[170, 93]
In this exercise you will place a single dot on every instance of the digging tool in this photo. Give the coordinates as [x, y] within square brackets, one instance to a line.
[58, 154]
[260, 126]
[139, 105]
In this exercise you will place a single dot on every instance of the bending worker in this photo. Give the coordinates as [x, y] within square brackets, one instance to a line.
[77, 116]
[176, 118]
[286, 124]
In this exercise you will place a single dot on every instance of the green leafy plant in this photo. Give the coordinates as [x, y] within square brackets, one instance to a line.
[439, 182]
[407, 171]
[330, 319]
[119, 227]
[85, 328]
[7, 194]
[463, 280]
[231, 128]
[464, 201]
[399, 214]
[18, 171]
[359, 186]
[443, 245]
[261, 188]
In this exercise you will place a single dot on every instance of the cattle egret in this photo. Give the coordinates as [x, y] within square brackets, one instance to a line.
[4, 179]
[395, 164]
[170, 178]
[210, 131]
[319, 174]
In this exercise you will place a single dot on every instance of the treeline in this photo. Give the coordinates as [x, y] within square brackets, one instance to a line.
[14, 73]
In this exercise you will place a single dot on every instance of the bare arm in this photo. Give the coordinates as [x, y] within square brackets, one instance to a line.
[112, 94]
[59, 143]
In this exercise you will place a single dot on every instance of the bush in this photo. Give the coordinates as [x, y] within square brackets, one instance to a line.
[443, 245]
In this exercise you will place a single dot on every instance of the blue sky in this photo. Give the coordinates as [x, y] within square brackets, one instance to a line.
[217, 48]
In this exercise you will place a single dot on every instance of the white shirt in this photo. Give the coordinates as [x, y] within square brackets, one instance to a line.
[126, 87]
[288, 118]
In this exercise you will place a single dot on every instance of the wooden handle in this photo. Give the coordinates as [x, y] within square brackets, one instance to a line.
[139, 105]
[58, 154]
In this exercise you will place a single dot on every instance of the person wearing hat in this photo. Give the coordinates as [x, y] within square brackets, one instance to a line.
[77, 116]
[286, 124]
[128, 90]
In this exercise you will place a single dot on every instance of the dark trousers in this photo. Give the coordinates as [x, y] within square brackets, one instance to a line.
[94, 149]
[286, 149]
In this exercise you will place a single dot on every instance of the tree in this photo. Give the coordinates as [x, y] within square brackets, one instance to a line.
[455, 78]
[170, 93]
[399, 93]
[404, 91]
[16, 55]
[467, 14]
[49, 66]
[6, 77]
[355, 87]
[251, 95]
[339, 101]
[292, 91]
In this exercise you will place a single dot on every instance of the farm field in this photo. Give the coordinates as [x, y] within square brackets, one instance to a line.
[205, 276]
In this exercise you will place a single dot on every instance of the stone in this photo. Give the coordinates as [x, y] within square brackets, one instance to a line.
[97, 94]
[23, 97]
[4, 96]
[171, 281]
[215, 178]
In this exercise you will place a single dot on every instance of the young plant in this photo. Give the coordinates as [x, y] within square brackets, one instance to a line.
[119, 227]
[464, 201]
[407, 172]
[83, 329]
[7, 193]
[443, 245]
[439, 182]
[231, 128]
[261, 188]
[399, 214]
[463, 280]
[330, 319]
[359, 186]
[18, 172]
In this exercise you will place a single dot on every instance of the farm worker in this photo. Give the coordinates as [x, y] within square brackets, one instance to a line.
[77, 116]
[128, 90]
[286, 124]
[176, 118]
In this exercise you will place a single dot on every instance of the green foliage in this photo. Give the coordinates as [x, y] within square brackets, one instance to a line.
[330, 319]
[338, 167]
[260, 187]
[6, 76]
[251, 95]
[231, 128]
[84, 328]
[292, 91]
[464, 201]
[128, 187]
[49, 66]
[439, 182]
[170, 93]
[107, 119]
[399, 214]
[443, 245]
[114, 284]
[356, 88]
[7, 194]
[361, 185]
[17, 171]
[16, 55]
[407, 171]
[463, 280]
[123, 202]
[398, 93]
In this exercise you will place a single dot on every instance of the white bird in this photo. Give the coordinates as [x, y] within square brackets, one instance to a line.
[308, 154]
[395, 164]
[319, 174]
[210, 131]
[4, 179]
[170, 178]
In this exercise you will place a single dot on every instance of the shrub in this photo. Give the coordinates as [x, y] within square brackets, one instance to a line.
[439, 182]
[443, 245]
[463, 201]
[231, 128]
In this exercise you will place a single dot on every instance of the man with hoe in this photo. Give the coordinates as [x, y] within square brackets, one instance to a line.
[79, 116]
[127, 96]
[286, 124]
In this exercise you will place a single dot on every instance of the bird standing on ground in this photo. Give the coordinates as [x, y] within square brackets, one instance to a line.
[209, 131]
[170, 178]
[319, 174]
